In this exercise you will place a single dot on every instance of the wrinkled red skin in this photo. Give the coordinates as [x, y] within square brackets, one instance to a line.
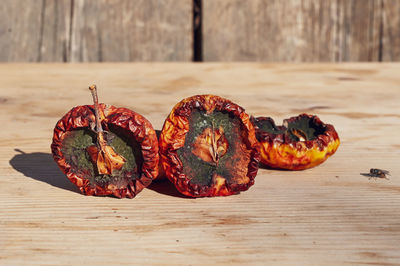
[139, 127]
[173, 166]
[276, 141]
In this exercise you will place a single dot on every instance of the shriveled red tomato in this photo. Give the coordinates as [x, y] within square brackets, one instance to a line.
[106, 150]
[208, 147]
[301, 142]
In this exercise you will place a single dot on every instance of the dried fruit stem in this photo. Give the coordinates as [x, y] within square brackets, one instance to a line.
[93, 90]
[103, 155]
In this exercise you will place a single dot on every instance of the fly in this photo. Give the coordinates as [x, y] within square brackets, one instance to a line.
[376, 173]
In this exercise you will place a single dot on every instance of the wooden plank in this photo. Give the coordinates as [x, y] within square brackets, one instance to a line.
[20, 31]
[81, 30]
[124, 30]
[328, 215]
[35, 31]
[358, 30]
[295, 30]
[55, 31]
[391, 31]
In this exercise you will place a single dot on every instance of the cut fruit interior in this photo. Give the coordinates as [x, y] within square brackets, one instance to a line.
[232, 156]
[75, 149]
[106, 150]
[208, 147]
[301, 142]
[301, 128]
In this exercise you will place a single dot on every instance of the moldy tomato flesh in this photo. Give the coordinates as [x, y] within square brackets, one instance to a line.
[302, 142]
[106, 150]
[208, 147]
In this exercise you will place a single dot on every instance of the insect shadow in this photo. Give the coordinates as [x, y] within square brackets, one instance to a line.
[41, 166]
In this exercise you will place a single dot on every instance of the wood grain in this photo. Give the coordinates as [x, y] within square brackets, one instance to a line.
[233, 30]
[20, 31]
[124, 30]
[391, 31]
[295, 30]
[35, 31]
[55, 30]
[328, 215]
[87, 31]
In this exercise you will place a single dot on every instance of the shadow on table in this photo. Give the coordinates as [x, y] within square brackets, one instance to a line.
[41, 166]
[266, 167]
[166, 188]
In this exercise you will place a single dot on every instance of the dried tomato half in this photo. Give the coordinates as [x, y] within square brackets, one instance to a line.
[106, 150]
[208, 147]
[302, 142]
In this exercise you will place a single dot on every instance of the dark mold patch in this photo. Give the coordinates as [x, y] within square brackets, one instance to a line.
[268, 125]
[74, 148]
[202, 172]
[294, 128]
[303, 125]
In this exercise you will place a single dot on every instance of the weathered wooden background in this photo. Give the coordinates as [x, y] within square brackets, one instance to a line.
[228, 30]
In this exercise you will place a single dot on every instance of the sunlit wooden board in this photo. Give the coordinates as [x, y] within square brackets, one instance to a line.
[327, 215]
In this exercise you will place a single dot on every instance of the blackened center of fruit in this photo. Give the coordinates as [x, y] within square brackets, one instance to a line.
[303, 128]
[74, 148]
[298, 129]
[215, 147]
[269, 126]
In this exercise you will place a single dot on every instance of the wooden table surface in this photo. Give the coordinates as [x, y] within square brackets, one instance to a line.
[327, 215]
